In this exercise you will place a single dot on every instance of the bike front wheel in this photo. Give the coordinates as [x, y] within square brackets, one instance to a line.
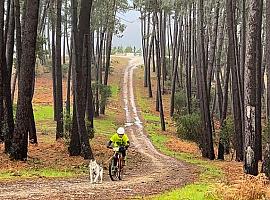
[113, 171]
[121, 169]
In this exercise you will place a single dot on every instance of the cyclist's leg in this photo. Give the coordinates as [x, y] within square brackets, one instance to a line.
[124, 157]
[115, 160]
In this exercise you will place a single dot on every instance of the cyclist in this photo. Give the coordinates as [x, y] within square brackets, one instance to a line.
[119, 139]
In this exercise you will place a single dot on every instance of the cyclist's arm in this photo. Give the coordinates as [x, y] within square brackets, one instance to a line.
[109, 144]
[127, 145]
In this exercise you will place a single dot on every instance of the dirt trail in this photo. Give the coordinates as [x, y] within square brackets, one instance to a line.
[155, 172]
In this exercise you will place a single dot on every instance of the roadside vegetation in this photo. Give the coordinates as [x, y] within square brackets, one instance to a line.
[216, 179]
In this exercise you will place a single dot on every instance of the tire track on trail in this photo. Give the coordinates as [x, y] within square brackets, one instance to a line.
[154, 174]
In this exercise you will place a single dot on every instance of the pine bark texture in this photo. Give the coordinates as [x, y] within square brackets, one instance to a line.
[20, 136]
[251, 162]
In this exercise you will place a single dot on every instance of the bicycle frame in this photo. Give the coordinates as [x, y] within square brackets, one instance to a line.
[116, 164]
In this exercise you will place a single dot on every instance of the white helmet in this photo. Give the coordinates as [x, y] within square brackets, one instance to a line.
[121, 131]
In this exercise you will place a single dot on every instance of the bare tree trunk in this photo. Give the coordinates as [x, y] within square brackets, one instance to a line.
[157, 41]
[267, 56]
[235, 80]
[108, 57]
[150, 94]
[251, 159]
[2, 62]
[213, 50]
[258, 120]
[58, 74]
[207, 141]
[7, 71]
[48, 34]
[188, 64]
[178, 39]
[80, 72]
[90, 103]
[8, 10]
[163, 49]
[69, 86]
[20, 136]
[143, 33]
[222, 99]
[52, 10]
[243, 45]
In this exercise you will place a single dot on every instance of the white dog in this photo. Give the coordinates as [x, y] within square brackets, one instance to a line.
[95, 171]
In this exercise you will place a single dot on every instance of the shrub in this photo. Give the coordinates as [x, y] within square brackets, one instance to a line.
[67, 128]
[180, 100]
[189, 127]
[106, 93]
[89, 129]
[227, 133]
[180, 103]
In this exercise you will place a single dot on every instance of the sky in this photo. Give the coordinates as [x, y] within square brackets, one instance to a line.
[132, 33]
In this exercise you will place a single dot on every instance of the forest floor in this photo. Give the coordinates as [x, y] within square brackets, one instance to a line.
[217, 179]
[50, 173]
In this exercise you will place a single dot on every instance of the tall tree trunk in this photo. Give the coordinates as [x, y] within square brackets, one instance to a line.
[188, 64]
[69, 86]
[143, 33]
[7, 70]
[97, 95]
[251, 159]
[48, 34]
[243, 46]
[108, 57]
[150, 94]
[213, 50]
[157, 42]
[80, 72]
[90, 103]
[259, 80]
[58, 73]
[222, 99]
[235, 79]
[2, 62]
[52, 10]
[65, 32]
[178, 39]
[20, 136]
[163, 48]
[267, 56]
[75, 143]
[207, 140]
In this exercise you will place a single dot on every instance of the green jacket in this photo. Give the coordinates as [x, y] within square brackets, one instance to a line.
[119, 142]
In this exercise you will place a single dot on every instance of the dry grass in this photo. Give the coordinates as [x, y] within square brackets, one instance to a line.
[247, 188]
[183, 146]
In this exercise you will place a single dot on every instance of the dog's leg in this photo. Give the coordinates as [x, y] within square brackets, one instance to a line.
[101, 175]
[91, 176]
[96, 178]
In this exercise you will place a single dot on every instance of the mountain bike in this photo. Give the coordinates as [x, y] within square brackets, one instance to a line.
[116, 168]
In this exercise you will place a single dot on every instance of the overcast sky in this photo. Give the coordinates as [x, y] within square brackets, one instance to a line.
[132, 34]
